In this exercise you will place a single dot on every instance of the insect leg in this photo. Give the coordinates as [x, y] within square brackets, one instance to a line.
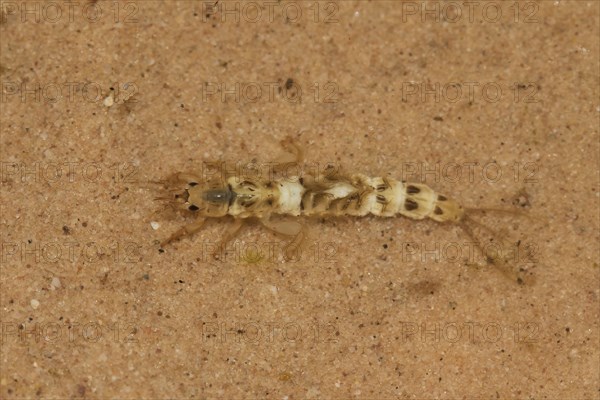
[292, 147]
[229, 234]
[184, 177]
[293, 229]
[293, 157]
[498, 255]
[186, 230]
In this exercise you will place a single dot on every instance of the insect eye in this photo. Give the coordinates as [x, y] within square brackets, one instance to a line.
[192, 184]
[193, 208]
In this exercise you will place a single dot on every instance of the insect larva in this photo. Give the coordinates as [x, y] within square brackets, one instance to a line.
[321, 195]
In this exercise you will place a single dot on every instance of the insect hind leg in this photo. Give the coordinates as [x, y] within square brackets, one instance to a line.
[496, 247]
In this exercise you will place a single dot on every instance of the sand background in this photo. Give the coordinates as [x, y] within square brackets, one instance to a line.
[105, 96]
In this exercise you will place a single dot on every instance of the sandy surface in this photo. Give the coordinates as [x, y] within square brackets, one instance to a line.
[494, 104]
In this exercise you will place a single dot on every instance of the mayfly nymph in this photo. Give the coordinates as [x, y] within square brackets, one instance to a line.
[312, 195]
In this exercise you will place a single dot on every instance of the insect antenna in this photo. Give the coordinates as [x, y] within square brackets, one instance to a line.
[172, 197]
[148, 184]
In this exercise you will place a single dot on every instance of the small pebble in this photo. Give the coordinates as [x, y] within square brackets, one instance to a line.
[109, 101]
[34, 303]
[55, 282]
[155, 225]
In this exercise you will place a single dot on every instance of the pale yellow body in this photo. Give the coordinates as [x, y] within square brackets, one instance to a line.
[357, 196]
[318, 195]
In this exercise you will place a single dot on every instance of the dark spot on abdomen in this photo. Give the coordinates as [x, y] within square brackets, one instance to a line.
[411, 205]
[412, 189]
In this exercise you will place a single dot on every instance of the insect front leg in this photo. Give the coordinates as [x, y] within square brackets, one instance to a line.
[185, 231]
[173, 181]
[183, 177]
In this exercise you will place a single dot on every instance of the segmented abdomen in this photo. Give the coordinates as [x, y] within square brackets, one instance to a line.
[356, 195]
[359, 196]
